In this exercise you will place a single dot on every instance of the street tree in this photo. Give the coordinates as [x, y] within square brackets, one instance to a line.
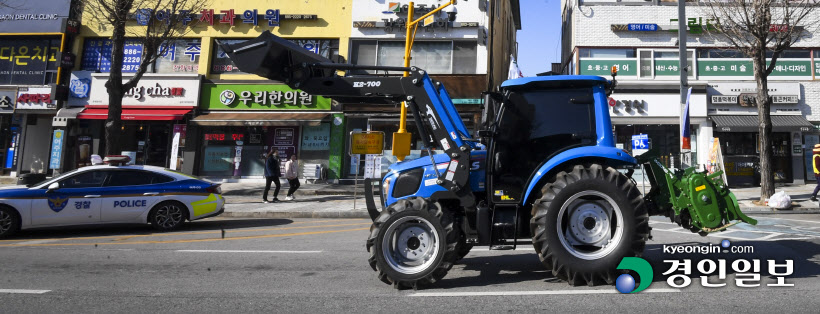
[762, 30]
[155, 24]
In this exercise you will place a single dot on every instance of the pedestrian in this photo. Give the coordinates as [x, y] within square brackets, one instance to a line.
[815, 161]
[272, 174]
[292, 174]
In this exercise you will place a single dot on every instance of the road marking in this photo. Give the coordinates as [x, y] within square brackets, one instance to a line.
[537, 292]
[172, 234]
[516, 249]
[158, 234]
[245, 251]
[798, 220]
[190, 241]
[23, 291]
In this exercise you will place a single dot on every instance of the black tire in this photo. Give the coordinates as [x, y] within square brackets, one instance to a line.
[168, 215]
[406, 213]
[9, 222]
[576, 191]
[462, 248]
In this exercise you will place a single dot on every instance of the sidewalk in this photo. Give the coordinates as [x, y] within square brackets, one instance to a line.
[323, 200]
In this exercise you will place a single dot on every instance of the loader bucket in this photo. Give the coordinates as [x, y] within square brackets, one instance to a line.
[698, 201]
[276, 58]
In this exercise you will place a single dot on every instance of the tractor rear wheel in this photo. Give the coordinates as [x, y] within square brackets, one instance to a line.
[412, 243]
[586, 221]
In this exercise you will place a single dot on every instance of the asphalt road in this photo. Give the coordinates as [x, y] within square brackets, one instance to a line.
[319, 266]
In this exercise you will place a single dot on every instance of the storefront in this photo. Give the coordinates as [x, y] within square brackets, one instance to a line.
[35, 109]
[153, 113]
[736, 123]
[239, 123]
[9, 129]
[654, 110]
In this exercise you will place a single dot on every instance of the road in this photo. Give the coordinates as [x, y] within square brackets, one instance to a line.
[319, 266]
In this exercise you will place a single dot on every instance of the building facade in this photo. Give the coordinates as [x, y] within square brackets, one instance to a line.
[196, 112]
[640, 38]
[467, 47]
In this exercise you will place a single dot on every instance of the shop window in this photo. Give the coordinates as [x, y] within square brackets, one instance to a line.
[720, 53]
[221, 64]
[664, 63]
[97, 55]
[28, 61]
[181, 56]
[816, 53]
[436, 57]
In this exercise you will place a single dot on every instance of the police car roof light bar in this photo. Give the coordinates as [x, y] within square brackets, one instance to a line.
[117, 160]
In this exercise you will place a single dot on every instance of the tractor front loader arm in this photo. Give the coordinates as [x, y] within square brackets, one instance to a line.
[278, 59]
[698, 201]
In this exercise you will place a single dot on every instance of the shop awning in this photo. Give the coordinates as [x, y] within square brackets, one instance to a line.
[751, 124]
[250, 118]
[70, 113]
[136, 114]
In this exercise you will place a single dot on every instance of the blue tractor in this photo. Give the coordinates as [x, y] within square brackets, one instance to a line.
[544, 166]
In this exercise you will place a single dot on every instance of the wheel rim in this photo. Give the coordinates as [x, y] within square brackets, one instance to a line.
[410, 245]
[5, 222]
[590, 225]
[168, 216]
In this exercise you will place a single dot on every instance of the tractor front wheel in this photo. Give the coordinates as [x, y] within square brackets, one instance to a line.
[412, 243]
[586, 221]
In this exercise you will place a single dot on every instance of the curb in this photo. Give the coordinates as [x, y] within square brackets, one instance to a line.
[297, 214]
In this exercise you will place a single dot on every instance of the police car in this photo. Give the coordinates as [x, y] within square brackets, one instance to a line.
[110, 194]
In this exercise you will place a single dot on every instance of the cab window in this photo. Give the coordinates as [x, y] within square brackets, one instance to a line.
[88, 179]
[135, 177]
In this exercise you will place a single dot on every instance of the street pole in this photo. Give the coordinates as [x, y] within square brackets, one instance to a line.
[686, 155]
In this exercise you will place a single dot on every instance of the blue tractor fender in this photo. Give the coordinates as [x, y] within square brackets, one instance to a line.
[610, 155]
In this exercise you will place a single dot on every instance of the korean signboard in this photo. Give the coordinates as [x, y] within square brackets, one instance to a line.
[744, 93]
[56, 150]
[221, 64]
[152, 90]
[316, 137]
[259, 97]
[41, 16]
[232, 17]
[7, 99]
[366, 143]
[743, 67]
[284, 139]
[603, 67]
[35, 98]
[26, 61]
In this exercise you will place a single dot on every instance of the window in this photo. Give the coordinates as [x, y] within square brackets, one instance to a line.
[88, 179]
[817, 53]
[606, 53]
[529, 121]
[136, 177]
[181, 56]
[435, 57]
[97, 55]
[221, 64]
[731, 53]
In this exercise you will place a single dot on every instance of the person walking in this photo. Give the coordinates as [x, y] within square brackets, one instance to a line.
[292, 174]
[815, 161]
[272, 174]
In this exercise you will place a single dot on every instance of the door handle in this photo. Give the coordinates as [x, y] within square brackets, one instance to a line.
[92, 196]
[151, 194]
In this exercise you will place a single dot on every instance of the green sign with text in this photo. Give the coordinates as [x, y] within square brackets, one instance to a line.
[603, 67]
[744, 67]
[259, 97]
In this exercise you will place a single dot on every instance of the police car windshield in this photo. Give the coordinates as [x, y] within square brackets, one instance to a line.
[45, 184]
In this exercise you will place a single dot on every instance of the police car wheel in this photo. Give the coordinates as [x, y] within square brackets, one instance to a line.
[9, 222]
[168, 216]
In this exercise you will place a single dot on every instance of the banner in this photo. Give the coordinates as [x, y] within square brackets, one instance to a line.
[56, 150]
[174, 160]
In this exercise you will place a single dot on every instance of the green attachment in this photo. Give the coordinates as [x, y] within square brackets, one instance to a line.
[697, 201]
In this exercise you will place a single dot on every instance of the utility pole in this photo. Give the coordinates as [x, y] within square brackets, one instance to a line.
[686, 155]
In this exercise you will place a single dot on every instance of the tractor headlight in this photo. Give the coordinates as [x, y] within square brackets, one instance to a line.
[386, 187]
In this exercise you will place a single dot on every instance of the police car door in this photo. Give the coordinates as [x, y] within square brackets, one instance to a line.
[130, 193]
[75, 201]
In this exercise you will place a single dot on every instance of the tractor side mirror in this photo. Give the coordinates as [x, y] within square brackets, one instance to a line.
[53, 187]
